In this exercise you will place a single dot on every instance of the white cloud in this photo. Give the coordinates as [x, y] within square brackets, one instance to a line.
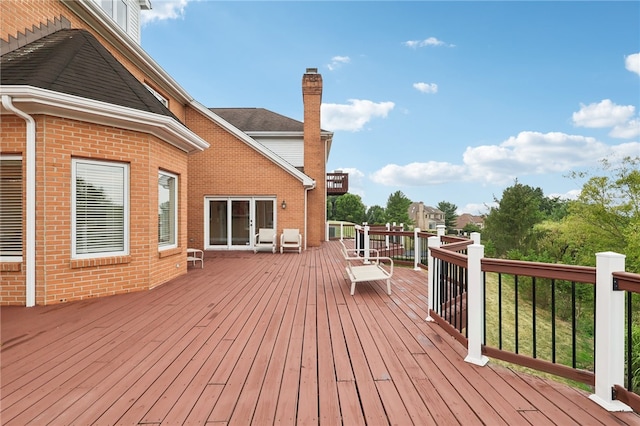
[337, 62]
[528, 153]
[164, 9]
[531, 153]
[603, 114]
[354, 115]
[426, 87]
[632, 63]
[431, 41]
[418, 174]
[476, 209]
[628, 130]
[569, 195]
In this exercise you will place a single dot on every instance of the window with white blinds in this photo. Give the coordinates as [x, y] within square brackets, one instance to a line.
[167, 210]
[100, 209]
[11, 206]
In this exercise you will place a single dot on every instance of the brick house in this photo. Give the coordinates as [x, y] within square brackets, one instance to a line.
[110, 170]
[425, 217]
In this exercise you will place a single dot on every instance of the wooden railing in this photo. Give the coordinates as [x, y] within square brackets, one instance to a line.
[463, 284]
[337, 183]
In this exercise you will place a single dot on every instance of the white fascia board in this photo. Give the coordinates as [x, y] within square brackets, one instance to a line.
[34, 100]
[307, 182]
[283, 135]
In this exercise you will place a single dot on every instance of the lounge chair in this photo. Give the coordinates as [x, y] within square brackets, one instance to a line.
[265, 239]
[290, 239]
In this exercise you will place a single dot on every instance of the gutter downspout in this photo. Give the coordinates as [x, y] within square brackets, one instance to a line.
[306, 212]
[30, 258]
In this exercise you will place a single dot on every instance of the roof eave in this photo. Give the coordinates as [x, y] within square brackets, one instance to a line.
[307, 182]
[34, 100]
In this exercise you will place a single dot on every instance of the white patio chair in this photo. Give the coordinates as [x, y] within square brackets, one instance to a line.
[290, 239]
[265, 239]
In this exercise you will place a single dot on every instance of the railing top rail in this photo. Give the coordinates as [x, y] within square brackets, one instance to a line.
[450, 239]
[458, 259]
[458, 245]
[627, 281]
[424, 234]
[583, 274]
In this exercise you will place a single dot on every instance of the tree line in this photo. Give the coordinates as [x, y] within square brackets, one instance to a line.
[525, 224]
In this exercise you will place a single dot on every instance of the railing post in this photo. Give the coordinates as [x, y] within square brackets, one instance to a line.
[431, 242]
[416, 249]
[341, 231]
[386, 237]
[475, 237]
[609, 362]
[356, 237]
[367, 246]
[475, 303]
[440, 230]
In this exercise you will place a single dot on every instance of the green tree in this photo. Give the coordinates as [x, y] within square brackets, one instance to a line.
[331, 207]
[450, 216]
[606, 215]
[471, 227]
[350, 208]
[398, 209]
[510, 225]
[376, 215]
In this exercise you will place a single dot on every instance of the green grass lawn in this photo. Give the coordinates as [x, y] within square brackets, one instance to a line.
[543, 320]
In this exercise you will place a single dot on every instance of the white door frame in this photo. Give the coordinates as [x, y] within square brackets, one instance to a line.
[229, 222]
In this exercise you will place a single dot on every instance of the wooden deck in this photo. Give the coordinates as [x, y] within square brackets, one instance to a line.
[264, 339]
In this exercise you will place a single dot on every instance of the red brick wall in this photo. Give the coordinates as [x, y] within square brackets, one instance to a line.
[59, 278]
[231, 168]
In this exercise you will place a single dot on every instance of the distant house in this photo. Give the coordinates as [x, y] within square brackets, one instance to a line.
[425, 217]
[465, 219]
[109, 169]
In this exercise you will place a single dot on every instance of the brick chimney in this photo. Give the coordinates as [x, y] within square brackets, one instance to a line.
[314, 156]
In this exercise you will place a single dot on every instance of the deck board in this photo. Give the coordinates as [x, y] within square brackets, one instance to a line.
[264, 339]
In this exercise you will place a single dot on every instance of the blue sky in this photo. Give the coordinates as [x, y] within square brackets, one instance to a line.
[444, 101]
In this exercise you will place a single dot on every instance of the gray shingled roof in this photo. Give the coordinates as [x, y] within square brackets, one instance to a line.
[258, 120]
[74, 62]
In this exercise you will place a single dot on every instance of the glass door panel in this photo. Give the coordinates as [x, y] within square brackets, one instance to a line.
[240, 223]
[264, 214]
[218, 232]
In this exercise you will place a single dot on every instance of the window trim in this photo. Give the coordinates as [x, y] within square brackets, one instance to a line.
[162, 247]
[16, 258]
[126, 208]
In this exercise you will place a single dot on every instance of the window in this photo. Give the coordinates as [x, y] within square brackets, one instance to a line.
[100, 224]
[157, 94]
[11, 207]
[167, 210]
[117, 10]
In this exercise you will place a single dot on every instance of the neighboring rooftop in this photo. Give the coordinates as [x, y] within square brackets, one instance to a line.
[258, 120]
[73, 61]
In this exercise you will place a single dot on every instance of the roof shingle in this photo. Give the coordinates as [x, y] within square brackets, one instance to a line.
[258, 120]
[73, 61]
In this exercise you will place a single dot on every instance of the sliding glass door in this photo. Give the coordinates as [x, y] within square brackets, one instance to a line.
[232, 222]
